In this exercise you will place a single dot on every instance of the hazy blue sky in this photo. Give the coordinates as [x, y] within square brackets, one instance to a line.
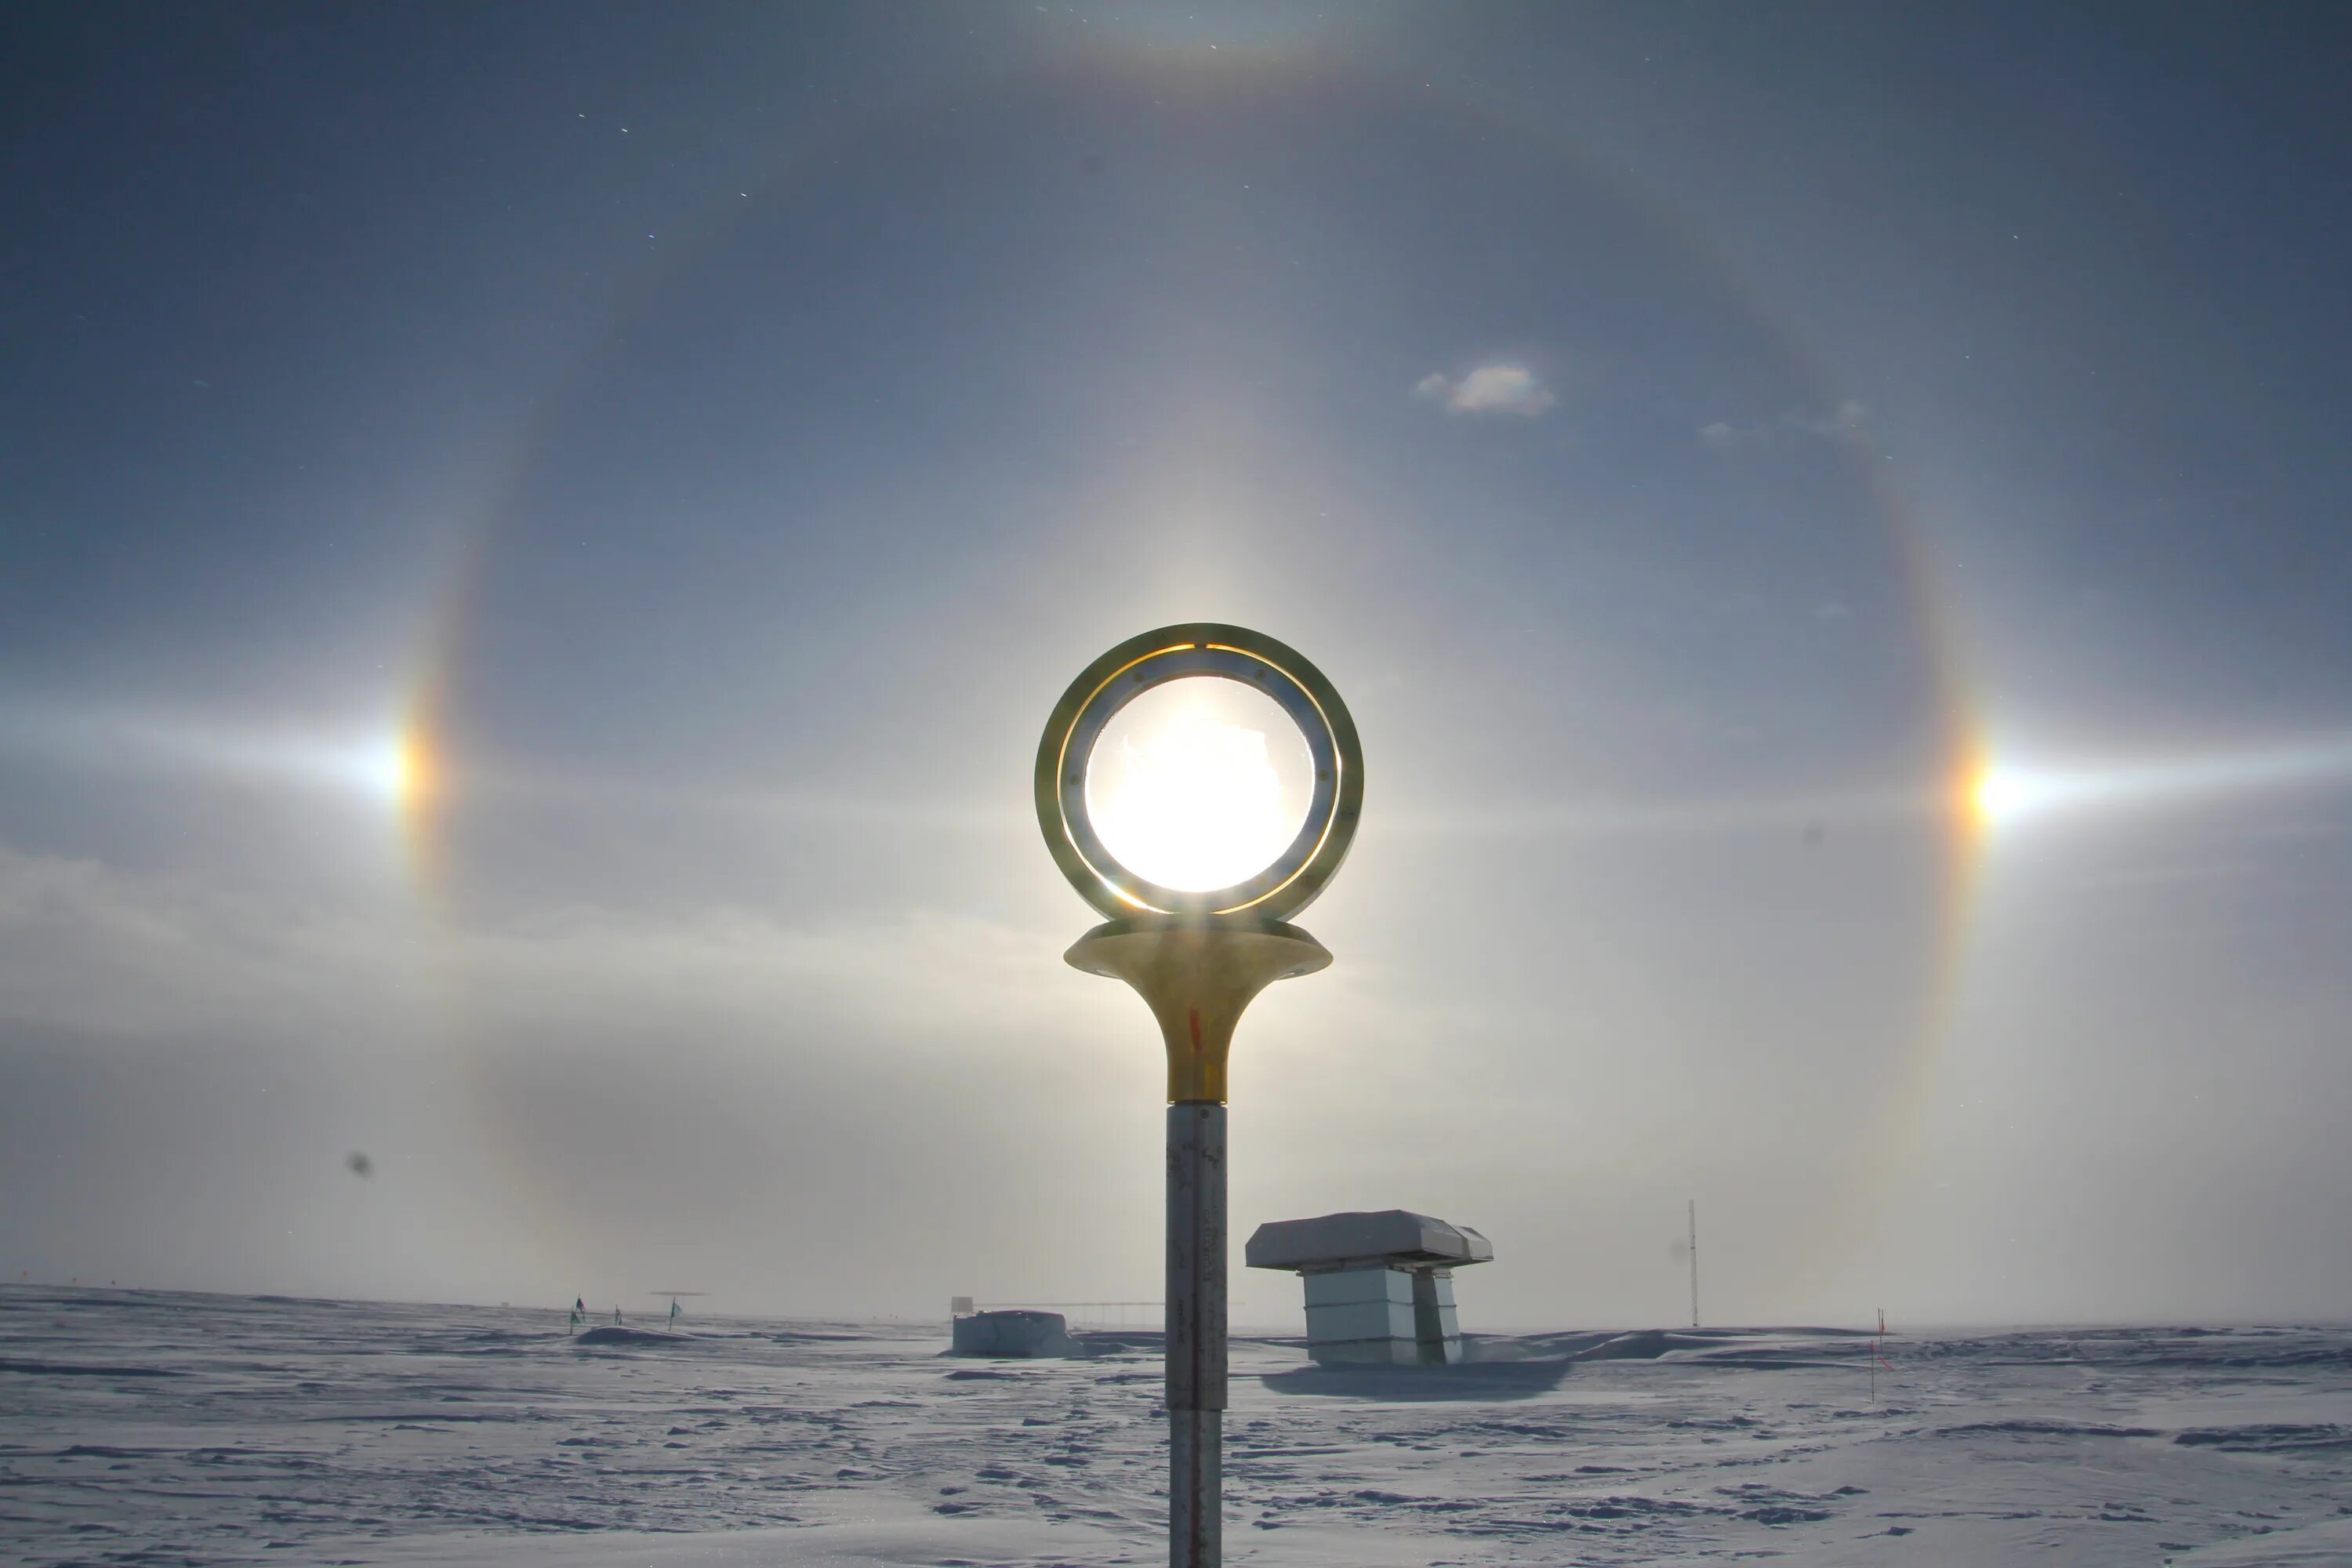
[1694, 438]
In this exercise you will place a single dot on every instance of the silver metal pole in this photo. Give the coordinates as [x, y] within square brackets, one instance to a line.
[1196, 1333]
[1693, 1249]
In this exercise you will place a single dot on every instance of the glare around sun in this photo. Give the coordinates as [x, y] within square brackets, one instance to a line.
[1198, 784]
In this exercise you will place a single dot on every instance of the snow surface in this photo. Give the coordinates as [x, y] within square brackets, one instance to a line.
[145, 1428]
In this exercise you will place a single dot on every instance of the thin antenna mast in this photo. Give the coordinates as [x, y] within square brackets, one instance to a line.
[675, 1311]
[1694, 1254]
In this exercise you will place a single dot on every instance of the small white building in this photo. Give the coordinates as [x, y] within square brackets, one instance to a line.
[1380, 1286]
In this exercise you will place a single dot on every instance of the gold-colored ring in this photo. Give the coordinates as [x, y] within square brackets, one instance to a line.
[1135, 666]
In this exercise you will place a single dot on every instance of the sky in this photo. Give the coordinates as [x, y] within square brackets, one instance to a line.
[536, 543]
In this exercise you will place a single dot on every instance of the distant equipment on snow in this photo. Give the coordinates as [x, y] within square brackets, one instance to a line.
[1380, 1286]
[1687, 1251]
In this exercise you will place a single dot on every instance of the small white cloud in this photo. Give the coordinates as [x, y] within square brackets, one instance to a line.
[1845, 419]
[1843, 422]
[1489, 389]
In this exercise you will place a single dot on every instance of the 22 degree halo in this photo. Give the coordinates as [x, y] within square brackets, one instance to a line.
[1175, 653]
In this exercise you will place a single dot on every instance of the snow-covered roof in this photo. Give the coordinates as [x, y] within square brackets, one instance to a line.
[1387, 1235]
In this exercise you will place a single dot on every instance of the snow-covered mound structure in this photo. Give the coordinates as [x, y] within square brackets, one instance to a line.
[1014, 1334]
[615, 1334]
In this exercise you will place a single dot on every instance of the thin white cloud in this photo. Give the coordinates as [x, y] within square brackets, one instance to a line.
[1490, 389]
[1845, 419]
[86, 947]
[1849, 420]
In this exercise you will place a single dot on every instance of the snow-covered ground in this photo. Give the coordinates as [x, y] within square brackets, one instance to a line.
[160, 1428]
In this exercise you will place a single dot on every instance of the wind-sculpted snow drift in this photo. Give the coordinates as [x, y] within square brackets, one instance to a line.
[149, 1428]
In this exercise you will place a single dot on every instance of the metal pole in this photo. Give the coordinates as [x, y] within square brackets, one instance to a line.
[1196, 1332]
[1197, 977]
[1693, 1249]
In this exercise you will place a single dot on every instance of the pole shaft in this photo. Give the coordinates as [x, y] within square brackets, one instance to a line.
[1196, 1332]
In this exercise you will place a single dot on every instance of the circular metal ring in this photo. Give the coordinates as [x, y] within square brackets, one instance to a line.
[1173, 653]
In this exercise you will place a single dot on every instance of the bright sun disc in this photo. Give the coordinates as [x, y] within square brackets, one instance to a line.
[1198, 784]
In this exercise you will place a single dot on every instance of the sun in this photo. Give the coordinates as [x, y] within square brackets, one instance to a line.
[1193, 786]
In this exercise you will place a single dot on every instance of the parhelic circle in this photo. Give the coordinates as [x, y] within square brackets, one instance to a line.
[1284, 886]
